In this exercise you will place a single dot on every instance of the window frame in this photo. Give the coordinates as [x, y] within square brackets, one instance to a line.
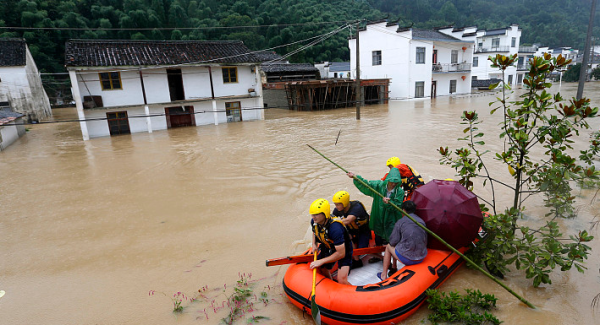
[497, 41]
[230, 106]
[513, 42]
[453, 86]
[421, 87]
[454, 56]
[475, 61]
[110, 79]
[227, 76]
[376, 58]
[420, 56]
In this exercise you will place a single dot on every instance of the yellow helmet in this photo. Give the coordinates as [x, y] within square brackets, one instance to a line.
[320, 206]
[394, 161]
[342, 197]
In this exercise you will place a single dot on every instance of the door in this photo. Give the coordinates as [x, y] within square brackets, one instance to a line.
[179, 116]
[175, 80]
[234, 111]
[118, 123]
[433, 88]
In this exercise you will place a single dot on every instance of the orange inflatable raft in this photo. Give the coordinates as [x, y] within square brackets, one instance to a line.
[384, 302]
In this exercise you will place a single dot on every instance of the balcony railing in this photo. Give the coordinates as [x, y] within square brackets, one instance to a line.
[451, 67]
[527, 49]
[523, 66]
[492, 49]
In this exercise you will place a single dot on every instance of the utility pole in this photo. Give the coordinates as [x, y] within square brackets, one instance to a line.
[358, 92]
[586, 53]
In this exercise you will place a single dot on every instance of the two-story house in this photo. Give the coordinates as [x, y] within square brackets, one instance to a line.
[20, 82]
[419, 63]
[504, 41]
[125, 86]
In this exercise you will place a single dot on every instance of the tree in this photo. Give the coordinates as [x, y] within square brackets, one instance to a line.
[572, 74]
[596, 73]
[537, 121]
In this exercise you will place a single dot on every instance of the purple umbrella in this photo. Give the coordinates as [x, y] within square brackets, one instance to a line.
[450, 211]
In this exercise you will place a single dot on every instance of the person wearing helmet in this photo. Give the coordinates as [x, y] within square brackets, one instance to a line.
[356, 219]
[411, 179]
[383, 214]
[334, 240]
[408, 241]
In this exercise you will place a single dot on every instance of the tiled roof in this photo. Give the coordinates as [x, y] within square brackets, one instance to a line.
[265, 56]
[339, 66]
[289, 67]
[434, 35]
[7, 116]
[12, 52]
[102, 53]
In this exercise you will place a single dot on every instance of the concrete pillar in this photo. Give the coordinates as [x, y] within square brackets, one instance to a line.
[79, 105]
[215, 113]
[148, 120]
[259, 92]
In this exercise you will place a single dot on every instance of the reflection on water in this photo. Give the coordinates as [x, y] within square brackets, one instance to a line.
[88, 228]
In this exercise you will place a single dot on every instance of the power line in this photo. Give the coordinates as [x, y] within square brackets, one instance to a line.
[171, 28]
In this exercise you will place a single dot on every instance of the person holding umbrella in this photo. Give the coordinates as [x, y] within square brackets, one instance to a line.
[408, 241]
[411, 179]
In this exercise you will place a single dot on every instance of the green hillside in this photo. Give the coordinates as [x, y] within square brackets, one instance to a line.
[263, 24]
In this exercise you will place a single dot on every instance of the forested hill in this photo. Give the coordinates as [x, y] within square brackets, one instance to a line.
[548, 22]
[274, 22]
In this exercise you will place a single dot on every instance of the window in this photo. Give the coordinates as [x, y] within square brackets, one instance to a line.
[452, 86]
[513, 42]
[510, 79]
[495, 42]
[118, 123]
[475, 61]
[420, 55]
[376, 57]
[234, 111]
[229, 75]
[454, 56]
[110, 80]
[419, 89]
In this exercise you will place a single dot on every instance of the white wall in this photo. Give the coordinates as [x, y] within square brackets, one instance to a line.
[22, 87]
[10, 132]
[196, 84]
[204, 115]
[394, 49]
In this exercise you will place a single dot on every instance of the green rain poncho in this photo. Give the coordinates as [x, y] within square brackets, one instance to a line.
[383, 216]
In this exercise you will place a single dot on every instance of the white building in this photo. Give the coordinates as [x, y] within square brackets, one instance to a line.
[334, 70]
[419, 63]
[504, 41]
[141, 86]
[11, 127]
[20, 83]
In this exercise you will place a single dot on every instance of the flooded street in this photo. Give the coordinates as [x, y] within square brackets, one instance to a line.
[88, 229]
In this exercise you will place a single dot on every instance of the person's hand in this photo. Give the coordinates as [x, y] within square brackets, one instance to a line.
[386, 200]
[350, 174]
[315, 248]
[316, 264]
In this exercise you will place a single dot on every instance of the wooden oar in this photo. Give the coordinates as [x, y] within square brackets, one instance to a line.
[308, 258]
[314, 308]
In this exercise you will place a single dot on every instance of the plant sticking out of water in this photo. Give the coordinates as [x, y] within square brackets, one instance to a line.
[240, 302]
[472, 308]
[537, 122]
[179, 297]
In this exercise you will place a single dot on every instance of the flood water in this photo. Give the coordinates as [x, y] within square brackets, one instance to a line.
[89, 228]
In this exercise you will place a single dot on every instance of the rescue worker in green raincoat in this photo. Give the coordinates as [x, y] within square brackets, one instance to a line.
[383, 214]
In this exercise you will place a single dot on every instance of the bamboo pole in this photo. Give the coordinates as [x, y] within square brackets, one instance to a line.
[434, 235]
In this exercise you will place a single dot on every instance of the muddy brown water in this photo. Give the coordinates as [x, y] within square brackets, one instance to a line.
[89, 228]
